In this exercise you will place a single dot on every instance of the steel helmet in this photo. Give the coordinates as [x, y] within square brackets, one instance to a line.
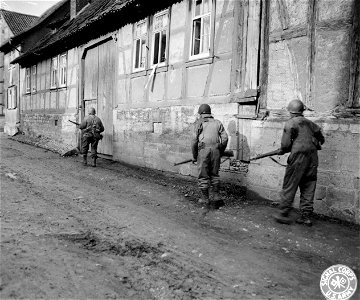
[296, 106]
[204, 109]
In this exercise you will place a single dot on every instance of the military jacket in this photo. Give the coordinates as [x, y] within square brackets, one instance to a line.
[92, 126]
[301, 135]
[209, 132]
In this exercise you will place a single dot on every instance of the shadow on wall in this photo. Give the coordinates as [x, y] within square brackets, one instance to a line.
[238, 142]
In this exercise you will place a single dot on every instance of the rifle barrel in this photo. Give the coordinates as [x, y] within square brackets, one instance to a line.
[182, 162]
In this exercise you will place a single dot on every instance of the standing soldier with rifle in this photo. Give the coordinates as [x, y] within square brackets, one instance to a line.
[302, 138]
[91, 128]
[209, 143]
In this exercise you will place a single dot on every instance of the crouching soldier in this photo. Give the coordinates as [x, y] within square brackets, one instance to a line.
[210, 141]
[302, 138]
[91, 128]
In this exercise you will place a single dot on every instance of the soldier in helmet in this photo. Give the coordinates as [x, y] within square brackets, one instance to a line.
[210, 141]
[302, 138]
[91, 128]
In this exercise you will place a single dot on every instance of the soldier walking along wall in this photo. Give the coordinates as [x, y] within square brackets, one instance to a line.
[246, 58]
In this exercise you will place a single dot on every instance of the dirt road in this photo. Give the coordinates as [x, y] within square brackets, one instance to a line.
[116, 232]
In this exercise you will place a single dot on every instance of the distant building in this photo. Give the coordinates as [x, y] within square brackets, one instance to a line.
[18, 44]
[11, 23]
[146, 66]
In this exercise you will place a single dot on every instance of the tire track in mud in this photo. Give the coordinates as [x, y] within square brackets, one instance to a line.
[178, 271]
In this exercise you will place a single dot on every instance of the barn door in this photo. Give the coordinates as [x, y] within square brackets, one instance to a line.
[99, 84]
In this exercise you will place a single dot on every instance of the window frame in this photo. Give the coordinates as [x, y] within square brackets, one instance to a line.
[13, 91]
[154, 31]
[54, 72]
[33, 79]
[28, 80]
[201, 16]
[62, 70]
[11, 75]
[143, 36]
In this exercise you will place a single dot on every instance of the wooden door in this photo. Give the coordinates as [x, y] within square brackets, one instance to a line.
[99, 85]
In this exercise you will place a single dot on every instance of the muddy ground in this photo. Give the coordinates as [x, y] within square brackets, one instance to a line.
[118, 232]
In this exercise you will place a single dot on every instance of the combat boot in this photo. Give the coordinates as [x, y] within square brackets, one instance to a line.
[94, 162]
[282, 217]
[217, 202]
[204, 196]
[304, 219]
[205, 200]
[85, 160]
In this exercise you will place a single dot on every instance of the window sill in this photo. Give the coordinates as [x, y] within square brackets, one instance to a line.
[159, 69]
[199, 62]
[138, 73]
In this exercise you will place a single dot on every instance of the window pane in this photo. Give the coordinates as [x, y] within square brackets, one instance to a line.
[163, 46]
[137, 53]
[156, 48]
[197, 9]
[206, 35]
[196, 36]
[143, 53]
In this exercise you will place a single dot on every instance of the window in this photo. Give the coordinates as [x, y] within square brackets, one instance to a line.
[159, 39]
[140, 46]
[11, 75]
[62, 75]
[54, 72]
[33, 79]
[201, 28]
[11, 97]
[27, 80]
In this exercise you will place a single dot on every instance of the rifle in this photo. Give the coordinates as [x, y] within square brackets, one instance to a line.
[73, 122]
[227, 153]
[271, 153]
[101, 136]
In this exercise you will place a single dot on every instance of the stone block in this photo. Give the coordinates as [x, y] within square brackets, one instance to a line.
[320, 192]
[351, 162]
[330, 160]
[335, 140]
[321, 207]
[267, 177]
[340, 197]
[344, 180]
[354, 128]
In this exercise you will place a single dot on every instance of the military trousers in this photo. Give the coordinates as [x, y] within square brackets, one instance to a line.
[208, 162]
[86, 142]
[301, 172]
